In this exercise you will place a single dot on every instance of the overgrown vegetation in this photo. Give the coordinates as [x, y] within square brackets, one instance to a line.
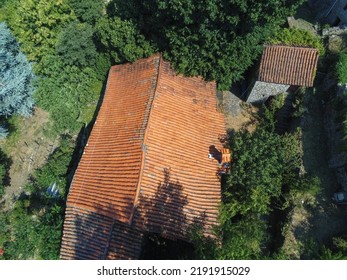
[298, 38]
[265, 176]
[215, 39]
[32, 230]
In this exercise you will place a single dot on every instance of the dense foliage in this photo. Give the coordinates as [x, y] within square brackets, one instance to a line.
[16, 77]
[264, 176]
[298, 38]
[216, 39]
[75, 45]
[88, 11]
[122, 40]
[37, 23]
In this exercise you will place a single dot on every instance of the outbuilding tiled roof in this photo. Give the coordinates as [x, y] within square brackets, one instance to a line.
[146, 167]
[288, 65]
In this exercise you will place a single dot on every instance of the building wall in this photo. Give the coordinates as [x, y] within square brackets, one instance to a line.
[262, 91]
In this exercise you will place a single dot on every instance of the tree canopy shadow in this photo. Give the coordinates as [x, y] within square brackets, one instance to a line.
[160, 229]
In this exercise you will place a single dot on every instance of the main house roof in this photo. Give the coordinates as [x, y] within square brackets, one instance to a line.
[288, 65]
[146, 167]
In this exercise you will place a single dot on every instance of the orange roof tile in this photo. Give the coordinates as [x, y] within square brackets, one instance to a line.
[110, 166]
[146, 165]
[92, 236]
[288, 65]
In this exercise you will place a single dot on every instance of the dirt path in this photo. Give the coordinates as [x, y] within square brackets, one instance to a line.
[28, 153]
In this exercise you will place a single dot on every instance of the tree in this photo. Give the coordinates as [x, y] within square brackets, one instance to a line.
[37, 24]
[265, 175]
[75, 45]
[16, 77]
[216, 39]
[88, 11]
[122, 40]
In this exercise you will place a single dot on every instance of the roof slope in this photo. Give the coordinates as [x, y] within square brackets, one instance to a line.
[92, 236]
[146, 166]
[110, 166]
[288, 65]
[179, 185]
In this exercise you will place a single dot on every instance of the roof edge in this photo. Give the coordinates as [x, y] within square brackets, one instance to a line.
[143, 154]
[79, 161]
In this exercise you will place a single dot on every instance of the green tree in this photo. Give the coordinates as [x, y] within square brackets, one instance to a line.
[265, 175]
[122, 40]
[88, 11]
[37, 24]
[75, 45]
[216, 39]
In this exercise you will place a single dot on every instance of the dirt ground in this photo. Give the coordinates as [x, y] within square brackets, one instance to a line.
[237, 113]
[28, 153]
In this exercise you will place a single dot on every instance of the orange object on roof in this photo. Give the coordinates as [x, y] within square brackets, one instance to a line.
[288, 65]
[226, 155]
[145, 167]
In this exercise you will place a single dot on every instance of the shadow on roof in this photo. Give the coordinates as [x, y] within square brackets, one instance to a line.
[88, 235]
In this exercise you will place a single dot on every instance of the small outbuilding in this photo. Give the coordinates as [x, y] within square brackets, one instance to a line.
[283, 68]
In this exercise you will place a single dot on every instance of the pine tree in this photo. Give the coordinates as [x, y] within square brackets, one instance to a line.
[16, 77]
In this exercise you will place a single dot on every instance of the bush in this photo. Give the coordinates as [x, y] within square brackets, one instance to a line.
[88, 10]
[66, 95]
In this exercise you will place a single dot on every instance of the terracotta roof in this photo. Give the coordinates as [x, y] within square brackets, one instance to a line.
[92, 236]
[288, 65]
[109, 170]
[146, 166]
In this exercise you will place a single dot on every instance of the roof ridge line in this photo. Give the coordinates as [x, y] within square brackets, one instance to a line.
[143, 153]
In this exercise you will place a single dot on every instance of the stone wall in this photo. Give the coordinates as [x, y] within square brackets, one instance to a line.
[262, 91]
